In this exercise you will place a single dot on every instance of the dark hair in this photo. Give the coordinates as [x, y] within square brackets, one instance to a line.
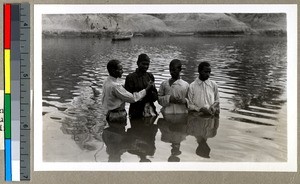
[112, 65]
[202, 65]
[175, 61]
[143, 57]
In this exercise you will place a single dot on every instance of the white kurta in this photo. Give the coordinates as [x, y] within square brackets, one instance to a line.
[202, 94]
[178, 89]
[115, 95]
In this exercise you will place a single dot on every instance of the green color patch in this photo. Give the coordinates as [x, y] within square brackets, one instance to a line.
[7, 116]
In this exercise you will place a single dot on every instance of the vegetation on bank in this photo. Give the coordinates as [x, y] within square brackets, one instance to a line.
[105, 25]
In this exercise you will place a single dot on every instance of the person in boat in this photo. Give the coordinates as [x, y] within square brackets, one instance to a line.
[203, 93]
[137, 81]
[115, 95]
[172, 92]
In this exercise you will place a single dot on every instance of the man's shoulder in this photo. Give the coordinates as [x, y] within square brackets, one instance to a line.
[110, 84]
[213, 83]
[134, 75]
[131, 75]
[149, 73]
[165, 82]
[193, 83]
[184, 82]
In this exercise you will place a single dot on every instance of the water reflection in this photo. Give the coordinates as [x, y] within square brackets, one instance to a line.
[173, 130]
[139, 139]
[84, 120]
[202, 128]
[116, 141]
[142, 138]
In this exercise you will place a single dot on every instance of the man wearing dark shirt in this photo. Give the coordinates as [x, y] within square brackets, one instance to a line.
[137, 81]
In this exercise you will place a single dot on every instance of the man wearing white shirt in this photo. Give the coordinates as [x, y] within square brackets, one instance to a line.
[172, 92]
[203, 94]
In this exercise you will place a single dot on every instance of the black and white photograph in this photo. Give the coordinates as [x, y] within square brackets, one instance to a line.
[177, 87]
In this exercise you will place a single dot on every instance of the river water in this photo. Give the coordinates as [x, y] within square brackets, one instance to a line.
[250, 72]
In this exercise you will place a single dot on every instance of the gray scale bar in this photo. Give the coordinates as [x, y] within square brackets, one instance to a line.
[24, 39]
[25, 91]
[15, 88]
[24, 155]
[25, 69]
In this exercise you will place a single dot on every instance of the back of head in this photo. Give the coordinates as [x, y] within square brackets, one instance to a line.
[143, 57]
[202, 65]
[112, 65]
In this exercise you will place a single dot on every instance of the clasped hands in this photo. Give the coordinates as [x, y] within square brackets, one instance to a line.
[214, 109]
[177, 100]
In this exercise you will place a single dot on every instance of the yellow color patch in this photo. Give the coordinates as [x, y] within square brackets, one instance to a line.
[7, 71]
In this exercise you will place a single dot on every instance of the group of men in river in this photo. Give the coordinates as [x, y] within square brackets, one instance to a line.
[174, 95]
[177, 98]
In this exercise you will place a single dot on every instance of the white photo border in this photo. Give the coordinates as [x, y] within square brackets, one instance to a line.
[289, 9]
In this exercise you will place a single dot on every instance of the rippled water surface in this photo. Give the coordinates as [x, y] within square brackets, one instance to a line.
[250, 73]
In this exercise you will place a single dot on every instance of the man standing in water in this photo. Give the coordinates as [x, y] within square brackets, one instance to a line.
[142, 113]
[203, 94]
[172, 97]
[137, 81]
[172, 92]
[115, 95]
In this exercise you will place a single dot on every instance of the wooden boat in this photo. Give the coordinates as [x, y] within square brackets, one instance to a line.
[122, 36]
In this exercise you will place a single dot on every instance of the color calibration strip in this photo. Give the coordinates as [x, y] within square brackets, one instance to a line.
[1, 111]
[2, 103]
[17, 91]
[7, 95]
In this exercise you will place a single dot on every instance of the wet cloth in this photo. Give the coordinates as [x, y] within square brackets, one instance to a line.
[178, 89]
[149, 111]
[116, 116]
[202, 94]
[135, 82]
[115, 95]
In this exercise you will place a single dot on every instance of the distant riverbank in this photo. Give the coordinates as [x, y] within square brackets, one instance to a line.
[105, 25]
